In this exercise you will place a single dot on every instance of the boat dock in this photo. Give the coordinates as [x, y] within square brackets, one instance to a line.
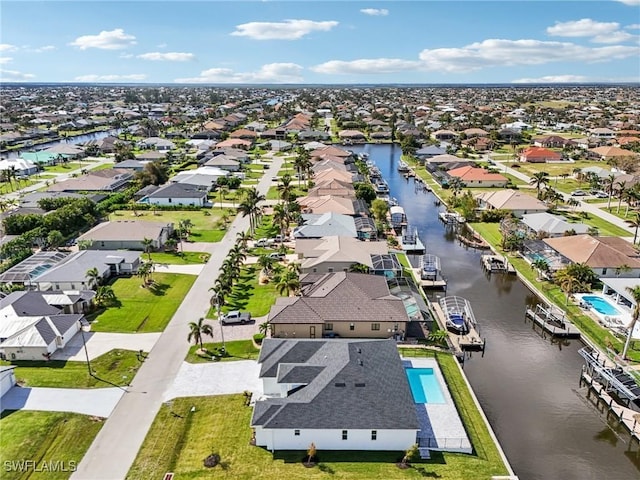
[409, 241]
[496, 264]
[451, 218]
[436, 284]
[458, 341]
[552, 321]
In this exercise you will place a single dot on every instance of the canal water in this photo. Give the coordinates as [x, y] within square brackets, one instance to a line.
[85, 137]
[527, 385]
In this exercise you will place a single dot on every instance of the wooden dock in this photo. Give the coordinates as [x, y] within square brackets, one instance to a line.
[460, 342]
[438, 283]
[552, 323]
[497, 264]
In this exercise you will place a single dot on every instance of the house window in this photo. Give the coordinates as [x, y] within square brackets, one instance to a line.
[352, 327]
[375, 326]
[374, 434]
[344, 435]
[330, 270]
[169, 200]
[328, 326]
[296, 433]
[604, 271]
[315, 270]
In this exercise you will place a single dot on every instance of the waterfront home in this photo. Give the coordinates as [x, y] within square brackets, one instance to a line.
[18, 166]
[127, 234]
[334, 187]
[336, 394]
[326, 203]
[327, 224]
[516, 202]
[344, 304]
[549, 225]
[607, 256]
[336, 254]
[206, 177]
[157, 143]
[553, 141]
[429, 151]
[610, 153]
[355, 136]
[478, 177]
[539, 155]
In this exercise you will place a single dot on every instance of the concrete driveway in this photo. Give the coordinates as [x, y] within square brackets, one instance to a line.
[234, 332]
[99, 343]
[88, 401]
[217, 378]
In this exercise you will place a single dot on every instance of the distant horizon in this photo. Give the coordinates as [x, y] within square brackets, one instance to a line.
[304, 42]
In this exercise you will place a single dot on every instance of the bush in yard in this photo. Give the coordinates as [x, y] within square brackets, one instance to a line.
[258, 337]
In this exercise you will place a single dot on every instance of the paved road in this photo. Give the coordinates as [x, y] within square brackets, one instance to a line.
[88, 401]
[116, 446]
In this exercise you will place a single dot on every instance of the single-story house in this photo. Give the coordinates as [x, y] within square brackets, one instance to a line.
[429, 151]
[517, 202]
[353, 305]
[444, 135]
[172, 194]
[20, 166]
[326, 203]
[327, 224]
[552, 141]
[352, 135]
[539, 155]
[127, 234]
[157, 143]
[336, 394]
[551, 225]
[607, 256]
[334, 187]
[7, 378]
[202, 176]
[223, 162]
[336, 254]
[152, 156]
[135, 165]
[609, 153]
[30, 200]
[279, 145]
[478, 177]
[107, 180]
[71, 273]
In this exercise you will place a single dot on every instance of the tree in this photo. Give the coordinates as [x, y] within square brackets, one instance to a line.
[365, 191]
[287, 283]
[265, 262]
[250, 206]
[541, 266]
[410, 454]
[635, 223]
[635, 293]
[379, 209]
[456, 185]
[104, 295]
[609, 188]
[538, 180]
[263, 328]
[147, 246]
[197, 330]
[311, 453]
[285, 189]
[55, 239]
[93, 277]
[145, 271]
[359, 268]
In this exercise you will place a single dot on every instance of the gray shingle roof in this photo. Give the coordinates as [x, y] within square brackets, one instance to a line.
[360, 384]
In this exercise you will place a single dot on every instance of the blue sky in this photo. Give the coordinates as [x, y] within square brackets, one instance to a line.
[320, 42]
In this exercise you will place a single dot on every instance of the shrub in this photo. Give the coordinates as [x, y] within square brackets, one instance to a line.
[258, 337]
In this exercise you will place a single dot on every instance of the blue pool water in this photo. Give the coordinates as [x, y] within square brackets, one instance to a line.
[424, 385]
[601, 305]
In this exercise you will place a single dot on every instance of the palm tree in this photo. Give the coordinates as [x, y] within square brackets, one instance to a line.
[455, 185]
[250, 206]
[147, 246]
[285, 188]
[265, 262]
[281, 218]
[567, 282]
[197, 330]
[93, 276]
[223, 193]
[541, 266]
[635, 293]
[287, 283]
[302, 162]
[144, 272]
[609, 184]
[538, 180]
[621, 192]
[263, 328]
[104, 295]
[243, 239]
[635, 223]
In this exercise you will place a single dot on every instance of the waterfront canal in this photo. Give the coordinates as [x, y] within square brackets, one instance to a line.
[527, 385]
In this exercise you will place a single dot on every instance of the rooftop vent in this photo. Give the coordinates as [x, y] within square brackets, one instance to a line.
[340, 384]
[359, 350]
[360, 362]
[359, 384]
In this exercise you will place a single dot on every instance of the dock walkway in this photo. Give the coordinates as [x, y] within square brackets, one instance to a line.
[552, 323]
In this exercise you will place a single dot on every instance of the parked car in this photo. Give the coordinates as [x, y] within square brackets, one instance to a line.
[263, 242]
[280, 239]
[601, 194]
[578, 193]
[277, 256]
[235, 316]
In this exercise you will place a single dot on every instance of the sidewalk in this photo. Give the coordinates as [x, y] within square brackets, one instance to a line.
[115, 448]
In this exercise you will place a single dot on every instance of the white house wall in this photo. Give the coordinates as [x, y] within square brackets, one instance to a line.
[285, 439]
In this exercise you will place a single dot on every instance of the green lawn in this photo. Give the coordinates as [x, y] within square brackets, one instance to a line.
[6, 188]
[116, 367]
[489, 231]
[236, 350]
[248, 295]
[65, 167]
[102, 166]
[274, 194]
[266, 229]
[220, 425]
[141, 309]
[553, 169]
[206, 226]
[45, 437]
[179, 258]
[604, 228]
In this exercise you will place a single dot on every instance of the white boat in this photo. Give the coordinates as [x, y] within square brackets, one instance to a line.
[402, 166]
[382, 187]
[458, 314]
[429, 267]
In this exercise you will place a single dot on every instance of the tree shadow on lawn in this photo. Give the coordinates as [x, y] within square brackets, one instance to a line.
[158, 289]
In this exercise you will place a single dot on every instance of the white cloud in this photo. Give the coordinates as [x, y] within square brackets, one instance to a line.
[15, 76]
[366, 66]
[497, 52]
[582, 28]
[6, 47]
[270, 73]
[4, 60]
[631, 3]
[614, 37]
[286, 30]
[136, 77]
[105, 40]
[376, 12]
[634, 26]
[162, 45]
[126, 55]
[554, 79]
[167, 57]
[46, 48]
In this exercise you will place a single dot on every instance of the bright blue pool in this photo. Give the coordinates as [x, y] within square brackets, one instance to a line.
[601, 305]
[424, 385]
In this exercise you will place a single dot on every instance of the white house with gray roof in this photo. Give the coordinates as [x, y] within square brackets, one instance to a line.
[172, 194]
[552, 225]
[327, 224]
[337, 394]
[127, 234]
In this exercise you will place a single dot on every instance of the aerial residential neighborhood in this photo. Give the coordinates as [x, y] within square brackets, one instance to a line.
[324, 240]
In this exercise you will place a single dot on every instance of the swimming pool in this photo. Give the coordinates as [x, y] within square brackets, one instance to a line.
[424, 385]
[601, 305]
